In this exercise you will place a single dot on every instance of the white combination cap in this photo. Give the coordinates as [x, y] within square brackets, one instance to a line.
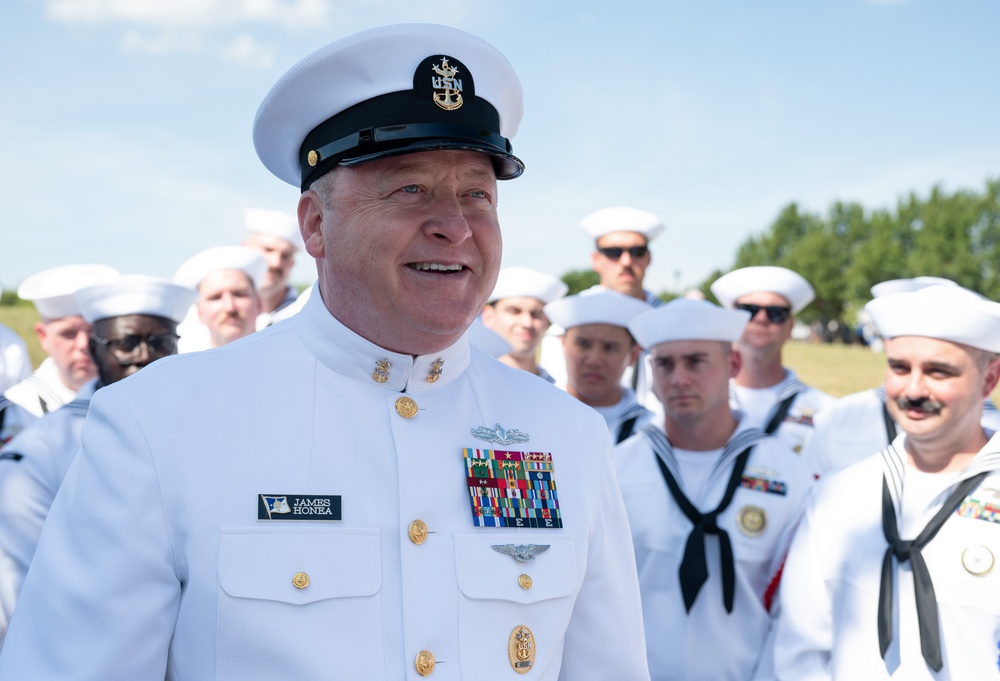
[622, 219]
[903, 285]
[684, 319]
[948, 313]
[523, 281]
[388, 91]
[135, 294]
[788, 284]
[488, 340]
[595, 306]
[249, 261]
[273, 223]
[52, 290]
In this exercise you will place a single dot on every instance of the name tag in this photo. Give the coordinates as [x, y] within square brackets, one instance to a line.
[314, 507]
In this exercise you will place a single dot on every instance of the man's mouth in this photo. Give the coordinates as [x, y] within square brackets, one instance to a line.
[435, 267]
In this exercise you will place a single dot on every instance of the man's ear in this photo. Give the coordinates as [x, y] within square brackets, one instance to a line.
[310, 214]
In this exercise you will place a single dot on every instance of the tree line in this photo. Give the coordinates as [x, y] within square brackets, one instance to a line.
[849, 249]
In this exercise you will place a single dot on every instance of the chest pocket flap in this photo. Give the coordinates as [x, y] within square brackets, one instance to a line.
[486, 573]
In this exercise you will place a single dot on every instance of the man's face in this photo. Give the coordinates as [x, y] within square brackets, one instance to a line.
[520, 320]
[761, 333]
[691, 378]
[228, 305]
[408, 247]
[65, 341]
[596, 357]
[280, 257]
[934, 389]
[121, 355]
[624, 274]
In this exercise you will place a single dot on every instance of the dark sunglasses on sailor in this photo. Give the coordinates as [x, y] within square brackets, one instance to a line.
[776, 314]
[615, 252]
[127, 347]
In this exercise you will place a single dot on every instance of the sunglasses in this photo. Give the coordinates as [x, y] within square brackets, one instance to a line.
[776, 314]
[127, 347]
[615, 252]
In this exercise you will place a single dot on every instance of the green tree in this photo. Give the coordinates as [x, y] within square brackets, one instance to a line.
[579, 280]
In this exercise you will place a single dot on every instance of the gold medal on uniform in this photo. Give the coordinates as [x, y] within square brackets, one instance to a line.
[752, 520]
[521, 649]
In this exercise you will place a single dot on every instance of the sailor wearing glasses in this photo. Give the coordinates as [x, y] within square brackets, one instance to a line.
[356, 492]
[621, 256]
[134, 320]
[770, 395]
[63, 334]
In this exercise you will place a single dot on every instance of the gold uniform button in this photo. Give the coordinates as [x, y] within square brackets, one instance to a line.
[300, 580]
[525, 582]
[417, 531]
[406, 407]
[424, 663]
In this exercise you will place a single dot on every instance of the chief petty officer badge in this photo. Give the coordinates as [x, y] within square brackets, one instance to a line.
[510, 488]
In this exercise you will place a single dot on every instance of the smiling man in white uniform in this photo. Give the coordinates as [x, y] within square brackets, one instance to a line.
[712, 502]
[409, 507]
[891, 574]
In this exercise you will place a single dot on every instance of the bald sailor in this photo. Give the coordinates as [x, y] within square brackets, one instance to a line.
[859, 424]
[712, 502]
[63, 335]
[134, 320]
[515, 310]
[598, 349]
[409, 507]
[891, 573]
[227, 280]
[768, 393]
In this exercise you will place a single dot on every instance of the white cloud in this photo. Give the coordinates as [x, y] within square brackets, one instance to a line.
[161, 42]
[245, 51]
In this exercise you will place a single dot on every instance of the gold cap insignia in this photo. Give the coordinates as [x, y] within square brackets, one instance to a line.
[312, 158]
[447, 88]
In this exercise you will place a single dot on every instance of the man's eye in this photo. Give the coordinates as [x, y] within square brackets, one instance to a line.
[410, 189]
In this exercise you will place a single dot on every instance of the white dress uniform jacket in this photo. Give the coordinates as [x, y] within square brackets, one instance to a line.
[830, 587]
[760, 404]
[32, 398]
[32, 467]
[153, 560]
[854, 427]
[707, 643]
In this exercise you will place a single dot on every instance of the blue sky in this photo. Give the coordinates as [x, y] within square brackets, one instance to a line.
[126, 124]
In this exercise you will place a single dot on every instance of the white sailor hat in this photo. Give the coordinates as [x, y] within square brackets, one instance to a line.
[387, 91]
[52, 290]
[249, 261]
[788, 284]
[135, 294]
[273, 223]
[524, 281]
[622, 219]
[684, 319]
[903, 285]
[949, 313]
[488, 340]
[596, 305]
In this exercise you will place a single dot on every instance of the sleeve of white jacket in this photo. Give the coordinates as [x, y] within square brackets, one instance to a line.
[804, 633]
[25, 497]
[101, 598]
[608, 611]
